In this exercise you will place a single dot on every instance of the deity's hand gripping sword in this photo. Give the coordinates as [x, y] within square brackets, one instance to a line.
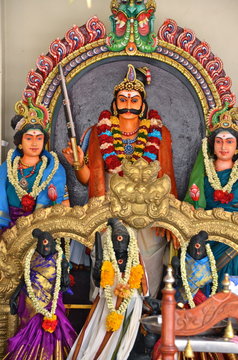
[69, 119]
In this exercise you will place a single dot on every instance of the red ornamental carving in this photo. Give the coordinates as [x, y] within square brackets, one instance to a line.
[230, 98]
[34, 80]
[27, 93]
[75, 38]
[214, 67]
[95, 28]
[168, 31]
[202, 52]
[223, 84]
[58, 50]
[186, 40]
[45, 64]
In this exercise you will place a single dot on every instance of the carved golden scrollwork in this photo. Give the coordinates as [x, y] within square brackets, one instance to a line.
[138, 198]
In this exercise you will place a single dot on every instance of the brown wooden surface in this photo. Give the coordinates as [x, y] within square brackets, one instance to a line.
[167, 346]
[204, 316]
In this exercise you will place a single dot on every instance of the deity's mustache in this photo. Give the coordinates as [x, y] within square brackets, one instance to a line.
[132, 111]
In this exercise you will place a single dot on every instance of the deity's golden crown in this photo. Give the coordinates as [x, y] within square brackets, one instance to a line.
[32, 114]
[130, 82]
[223, 118]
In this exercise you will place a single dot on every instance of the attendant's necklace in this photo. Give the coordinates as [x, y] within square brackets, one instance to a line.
[26, 165]
[23, 182]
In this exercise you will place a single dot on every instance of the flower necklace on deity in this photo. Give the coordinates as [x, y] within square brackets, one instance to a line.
[111, 143]
[186, 286]
[126, 285]
[221, 193]
[12, 173]
[50, 319]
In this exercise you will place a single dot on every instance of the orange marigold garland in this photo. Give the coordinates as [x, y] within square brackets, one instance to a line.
[107, 274]
[136, 276]
[126, 285]
[123, 291]
[113, 321]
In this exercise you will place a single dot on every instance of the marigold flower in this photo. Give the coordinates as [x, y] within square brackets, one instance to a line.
[107, 274]
[136, 276]
[49, 324]
[122, 290]
[113, 321]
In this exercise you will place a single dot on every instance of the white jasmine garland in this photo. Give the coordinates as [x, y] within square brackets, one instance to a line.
[212, 174]
[12, 173]
[132, 260]
[27, 270]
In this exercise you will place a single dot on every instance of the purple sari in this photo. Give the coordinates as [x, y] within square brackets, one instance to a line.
[32, 342]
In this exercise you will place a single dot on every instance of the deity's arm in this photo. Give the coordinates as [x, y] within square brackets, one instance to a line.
[83, 173]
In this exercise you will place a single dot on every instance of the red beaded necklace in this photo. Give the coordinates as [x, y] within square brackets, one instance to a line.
[124, 133]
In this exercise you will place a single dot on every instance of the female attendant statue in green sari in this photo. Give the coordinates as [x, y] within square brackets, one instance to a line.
[215, 173]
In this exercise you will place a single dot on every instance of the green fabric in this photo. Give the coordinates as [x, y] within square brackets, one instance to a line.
[197, 177]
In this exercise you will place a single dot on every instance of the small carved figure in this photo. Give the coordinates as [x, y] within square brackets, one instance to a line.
[44, 332]
[112, 325]
[194, 270]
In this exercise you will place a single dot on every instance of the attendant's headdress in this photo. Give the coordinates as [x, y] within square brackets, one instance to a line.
[136, 79]
[222, 118]
[32, 115]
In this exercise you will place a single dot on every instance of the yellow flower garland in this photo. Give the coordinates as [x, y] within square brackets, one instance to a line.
[27, 270]
[12, 173]
[107, 274]
[117, 139]
[184, 273]
[212, 174]
[133, 274]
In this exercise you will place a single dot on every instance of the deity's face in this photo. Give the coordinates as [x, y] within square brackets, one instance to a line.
[45, 245]
[32, 142]
[120, 245]
[225, 146]
[129, 104]
[197, 247]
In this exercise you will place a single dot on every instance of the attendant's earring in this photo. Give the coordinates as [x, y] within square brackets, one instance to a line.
[115, 113]
[20, 146]
[141, 114]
